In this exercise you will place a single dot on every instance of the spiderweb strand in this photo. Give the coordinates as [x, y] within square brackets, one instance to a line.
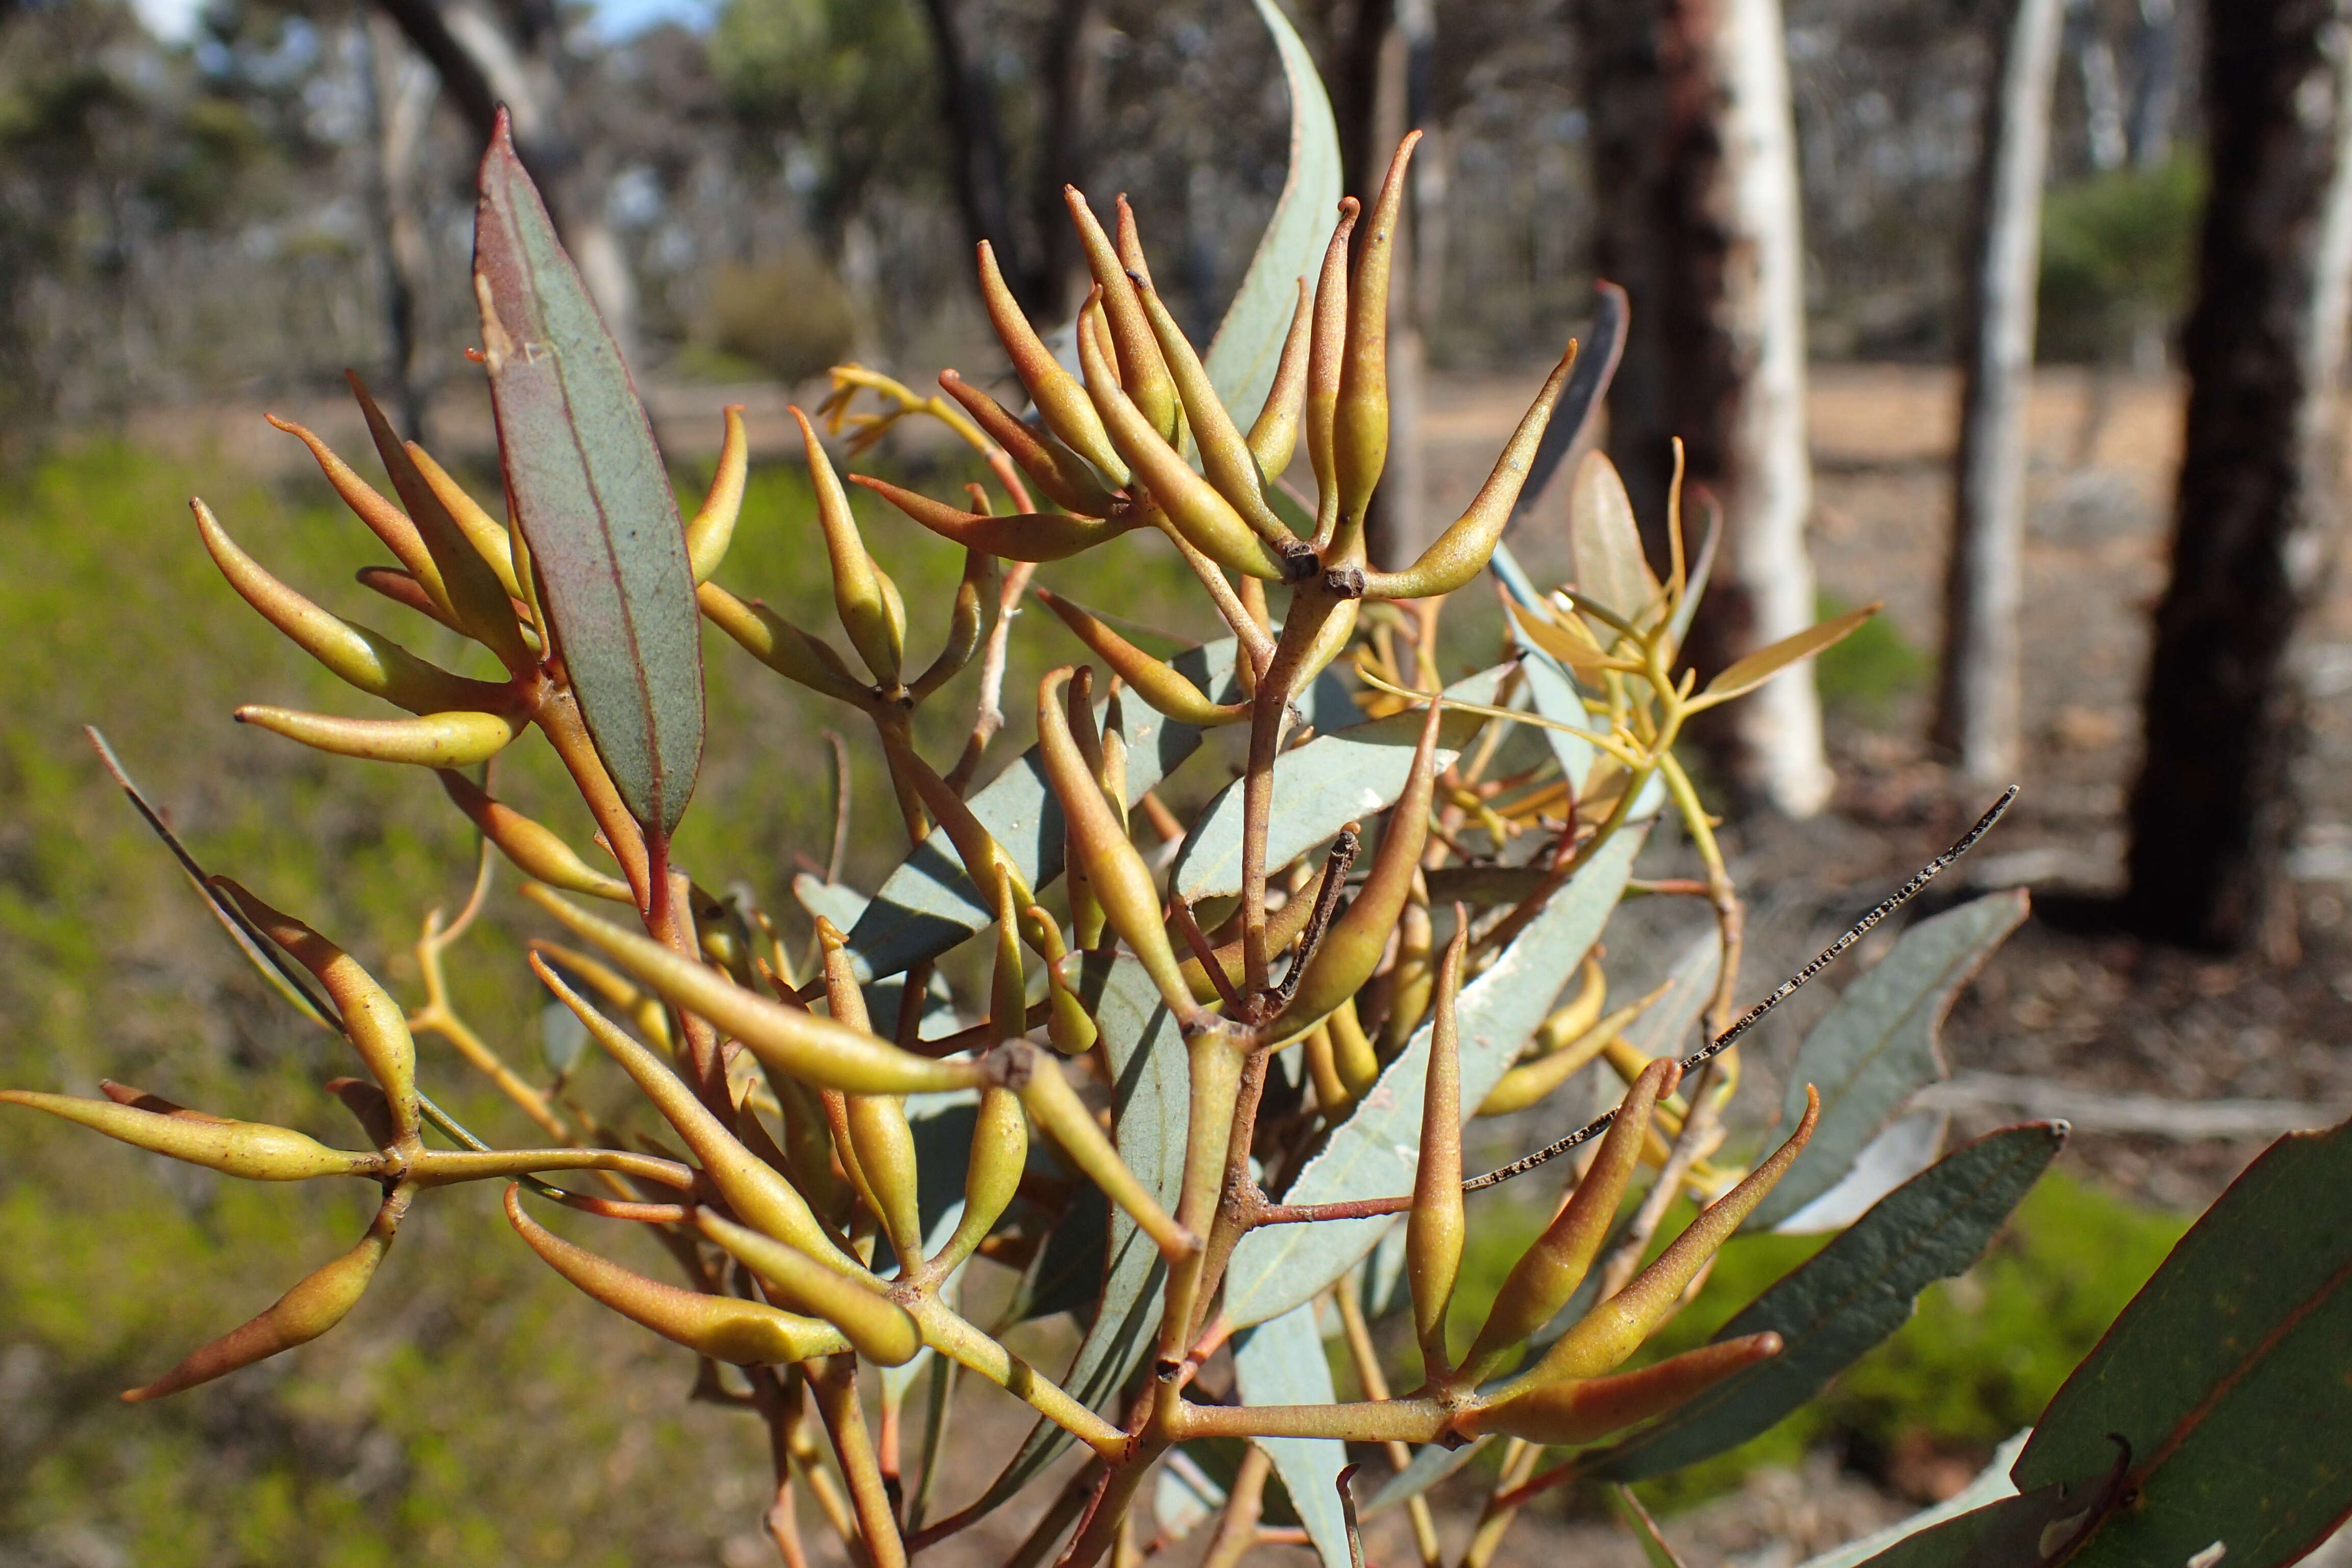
[1828, 955]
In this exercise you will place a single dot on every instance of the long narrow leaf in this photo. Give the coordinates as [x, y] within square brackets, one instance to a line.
[1878, 1046]
[594, 501]
[1745, 676]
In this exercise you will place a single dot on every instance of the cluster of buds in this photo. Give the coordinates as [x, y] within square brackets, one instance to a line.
[804, 1249]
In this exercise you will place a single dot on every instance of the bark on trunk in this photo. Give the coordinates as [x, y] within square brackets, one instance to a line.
[484, 64]
[1695, 168]
[2259, 503]
[401, 93]
[1039, 258]
[1978, 693]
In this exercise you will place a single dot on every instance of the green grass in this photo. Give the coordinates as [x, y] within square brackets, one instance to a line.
[1873, 667]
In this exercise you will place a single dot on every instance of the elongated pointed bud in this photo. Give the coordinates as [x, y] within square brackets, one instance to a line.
[533, 848]
[1549, 1272]
[1131, 901]
[1032, 536]
[1008, 983]
[712, 528]
[1351, 949]
[753, 1188]
[1435, 1228]
[1163, 688]
[1062, 1116]
[1190, 503]
[387, 521]
[969, 620]
[368, 1106]
[1067, 1022]
[1529, 1083]
[1585, 1411]
[879, 1139]
[1351, 1050]
[252, 1150]
[483, 532]
[794, 654]
[476, 596]
[322, 1301]
[1225, 455]
[814, 1049]
[1052, 465]
[1563, 1056]
[1061, 402]
[1142, 370]
[642, 1008]
[457, 739]
[1460, 552]
[1281, 928]
[724, 1328]
[1412, 979]
[1000, 1134]
[394, 583]
[361, 656]
[1087, 918]
[1326, 357]
[1605, 1336]
[1275, 435]
[377, 1026]
[880, 1330]
[984, 859]
[858, 594]
[1000, 1150]
[1359, 438]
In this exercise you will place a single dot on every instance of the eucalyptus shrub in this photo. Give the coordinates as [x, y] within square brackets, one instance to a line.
[1211, 1075]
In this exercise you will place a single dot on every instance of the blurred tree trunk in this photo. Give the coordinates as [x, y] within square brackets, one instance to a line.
[2259, 500]
[2155, 49]
[1039, 259]
[401, 93]
[487, 59]
[1976, 694]
[1694, 173]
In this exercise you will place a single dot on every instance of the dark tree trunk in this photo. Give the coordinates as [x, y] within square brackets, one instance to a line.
[1039, 258]
[1694, 173]
[2258, 504]
[487, 57]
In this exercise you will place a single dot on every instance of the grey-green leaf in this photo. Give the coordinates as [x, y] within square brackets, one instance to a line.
[1248, 342]
[1281, 1362]
[1877, 1047]
[2229, 1376]
[928, 905]
[1319, 788]
[1431, 1464]
[1370, 1154]
[1847, 1297]
[594, 501]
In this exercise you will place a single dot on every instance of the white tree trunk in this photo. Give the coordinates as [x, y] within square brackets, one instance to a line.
[1780, 727]
[1978, 702]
